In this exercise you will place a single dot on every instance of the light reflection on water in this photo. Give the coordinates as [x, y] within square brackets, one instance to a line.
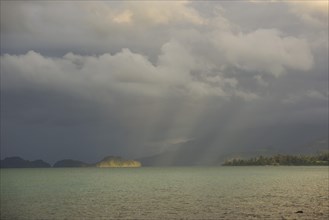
[165, 193]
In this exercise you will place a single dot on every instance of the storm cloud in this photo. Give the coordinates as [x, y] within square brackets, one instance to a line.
[83, 79]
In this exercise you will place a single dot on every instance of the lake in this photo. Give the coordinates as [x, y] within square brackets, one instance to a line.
[165, 193]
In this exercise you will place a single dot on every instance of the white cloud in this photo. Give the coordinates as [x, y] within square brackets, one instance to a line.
[124, 72]
[306, 96]
[103, 15]
[313, 13]
[123, 17]
[108, 26]
[265, 50]
[164, 12]
[247, 96]
[314, 94]
[260, 80]
[195, 59]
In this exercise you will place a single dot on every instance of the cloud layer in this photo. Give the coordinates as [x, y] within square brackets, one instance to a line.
[84, 79]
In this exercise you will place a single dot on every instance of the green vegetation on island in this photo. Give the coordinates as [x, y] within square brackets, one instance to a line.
[321, 159]
[112, 161]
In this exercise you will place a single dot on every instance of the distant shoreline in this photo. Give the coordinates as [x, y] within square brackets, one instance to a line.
[321, 159]
[106, 162]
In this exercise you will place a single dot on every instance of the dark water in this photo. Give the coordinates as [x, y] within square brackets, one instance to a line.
[166, 193]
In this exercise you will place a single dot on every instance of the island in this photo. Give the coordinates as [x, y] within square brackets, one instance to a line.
[17, 162]
[321, 159]
[106, 162]
[112, 161]
[109, 161]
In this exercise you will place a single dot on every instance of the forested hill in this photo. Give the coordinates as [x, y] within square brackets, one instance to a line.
[109, 161]
[321, 159]
[17, 162]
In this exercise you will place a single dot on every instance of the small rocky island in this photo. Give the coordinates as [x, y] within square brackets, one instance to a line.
[112, 161]
[109, 161]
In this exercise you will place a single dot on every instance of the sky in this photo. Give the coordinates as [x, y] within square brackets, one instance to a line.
[87, 79]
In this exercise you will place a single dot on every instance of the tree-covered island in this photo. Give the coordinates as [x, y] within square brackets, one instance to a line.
[321, 159]
[106, 162]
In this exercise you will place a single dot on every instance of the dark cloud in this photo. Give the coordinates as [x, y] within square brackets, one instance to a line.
[85, 79]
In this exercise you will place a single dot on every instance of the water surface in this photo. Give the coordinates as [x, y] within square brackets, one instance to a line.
[165, 193]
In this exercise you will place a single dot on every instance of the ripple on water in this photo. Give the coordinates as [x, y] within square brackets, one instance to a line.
[166, 193]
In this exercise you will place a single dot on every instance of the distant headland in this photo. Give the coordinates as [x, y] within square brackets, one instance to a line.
[17, 162]
[321, 159]
[106, 162]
